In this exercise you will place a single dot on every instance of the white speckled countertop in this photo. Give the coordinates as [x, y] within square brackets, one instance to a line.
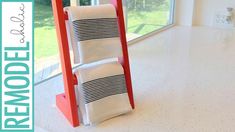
[183, 80]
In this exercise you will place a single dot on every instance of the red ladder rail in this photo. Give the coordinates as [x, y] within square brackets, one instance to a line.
[65, 102]
[124, 60]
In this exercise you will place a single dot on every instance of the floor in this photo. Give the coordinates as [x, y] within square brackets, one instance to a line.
[183, 81]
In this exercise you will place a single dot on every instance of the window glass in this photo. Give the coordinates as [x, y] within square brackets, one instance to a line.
[85, 2]
[46, 47]
[145, 16]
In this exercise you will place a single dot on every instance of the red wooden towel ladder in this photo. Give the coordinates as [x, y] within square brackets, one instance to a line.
[66, 102]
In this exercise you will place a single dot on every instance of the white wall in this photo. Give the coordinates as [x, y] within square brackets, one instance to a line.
[184, 12]
[200, 12]
[205, 10]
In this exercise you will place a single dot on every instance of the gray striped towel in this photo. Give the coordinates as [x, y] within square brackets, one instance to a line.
[102, 92]
[94, 33]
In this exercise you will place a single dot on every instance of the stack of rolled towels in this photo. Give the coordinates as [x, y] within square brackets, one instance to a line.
[94, 36]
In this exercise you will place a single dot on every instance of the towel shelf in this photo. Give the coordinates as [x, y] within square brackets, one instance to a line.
[66, 102]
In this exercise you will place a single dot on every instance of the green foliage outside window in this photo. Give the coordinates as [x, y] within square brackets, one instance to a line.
[48, 2]
[85, 2]
[147, 5]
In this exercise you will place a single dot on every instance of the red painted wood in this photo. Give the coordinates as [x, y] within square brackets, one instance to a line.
[125, 59]
[67, 104]
[75, 79]
[62, 104]
[66, 17]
